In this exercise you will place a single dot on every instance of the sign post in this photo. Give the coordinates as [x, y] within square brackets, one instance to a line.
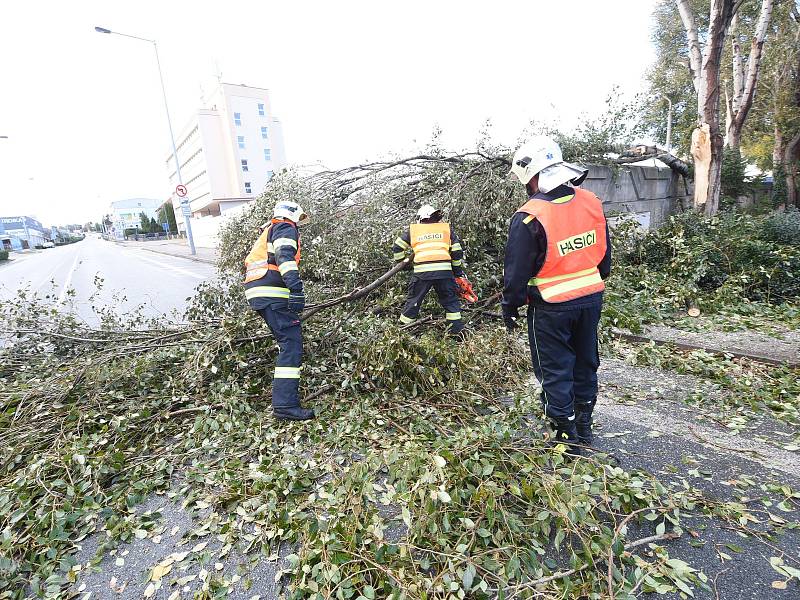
[181, 191]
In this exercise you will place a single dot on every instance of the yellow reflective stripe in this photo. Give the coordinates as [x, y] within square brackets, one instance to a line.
[568, 286]
[257, 263]
[458, 263]
[399, 255]
[440, 254]
[438, 266]
[289, 265]
[266, 291]
[284, 242]
[455, 247]
[287, 372]
[406, 320]
[400, 242]
[542, 280]
[426, 245]
[452, 316]
[563, 199]
[528, 219]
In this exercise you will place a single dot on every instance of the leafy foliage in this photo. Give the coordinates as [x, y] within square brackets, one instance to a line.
[716, 261]
[425, 475]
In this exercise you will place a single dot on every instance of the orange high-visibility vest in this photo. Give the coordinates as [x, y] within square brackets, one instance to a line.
[576, 243]
[430, 242]
[262, 256]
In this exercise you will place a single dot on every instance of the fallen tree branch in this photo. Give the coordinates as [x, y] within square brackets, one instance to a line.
[561, 574]
[323, 390]
[357, 293]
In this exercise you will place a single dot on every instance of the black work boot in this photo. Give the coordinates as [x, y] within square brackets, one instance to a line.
[583, 424]
[566, 432]
[294, 413]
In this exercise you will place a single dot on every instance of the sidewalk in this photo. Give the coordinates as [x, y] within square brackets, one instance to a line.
[175, 248]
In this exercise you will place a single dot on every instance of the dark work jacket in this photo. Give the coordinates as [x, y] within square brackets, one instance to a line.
[273, 278]
[526, 250]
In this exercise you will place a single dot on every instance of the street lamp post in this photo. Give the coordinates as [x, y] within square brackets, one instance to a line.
[169, 123]
[669, 124]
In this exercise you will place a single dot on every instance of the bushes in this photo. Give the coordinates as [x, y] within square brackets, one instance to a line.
[727, 258]
[3, 254]
[782, 227]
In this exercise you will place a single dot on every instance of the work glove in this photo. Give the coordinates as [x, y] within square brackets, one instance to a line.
[510, 318]
[297, 302]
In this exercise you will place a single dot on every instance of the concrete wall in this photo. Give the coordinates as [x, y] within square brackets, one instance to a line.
[649, 193]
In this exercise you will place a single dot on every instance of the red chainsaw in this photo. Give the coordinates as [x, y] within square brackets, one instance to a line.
[465, 291]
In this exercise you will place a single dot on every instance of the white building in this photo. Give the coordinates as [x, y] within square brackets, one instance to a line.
[125, 214]
[228, 152]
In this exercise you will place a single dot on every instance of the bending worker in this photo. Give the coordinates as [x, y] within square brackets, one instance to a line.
[438, 261]
[556, 261]
[274, 289]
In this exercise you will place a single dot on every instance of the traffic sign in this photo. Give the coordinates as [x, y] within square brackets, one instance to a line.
[181, 190]
[187, 211]
[165, 227]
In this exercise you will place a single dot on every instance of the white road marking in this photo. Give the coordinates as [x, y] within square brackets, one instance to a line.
[62, 296]
[170, 267]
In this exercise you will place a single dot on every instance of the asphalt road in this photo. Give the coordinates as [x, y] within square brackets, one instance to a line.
[95, 274]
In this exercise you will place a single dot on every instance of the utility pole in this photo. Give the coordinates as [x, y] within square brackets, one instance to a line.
[183, 201]
[669, 125]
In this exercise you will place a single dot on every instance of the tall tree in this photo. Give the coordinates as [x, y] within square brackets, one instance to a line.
[772, 137]
[705, 61]
[739, 101]
[144, 222]
[166, 214]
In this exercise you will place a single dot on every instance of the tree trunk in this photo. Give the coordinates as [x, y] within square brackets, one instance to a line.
[708, 106]
[744, 82]
[701, 153]
[791, 157]
[777, 148]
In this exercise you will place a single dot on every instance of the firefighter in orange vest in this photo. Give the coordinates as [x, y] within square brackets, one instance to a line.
[274, 289]
[438, 263]
[557, 258]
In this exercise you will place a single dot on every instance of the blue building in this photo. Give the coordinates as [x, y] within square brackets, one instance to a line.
[20, 233]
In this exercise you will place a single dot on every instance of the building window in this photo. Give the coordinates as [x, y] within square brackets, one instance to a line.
[247, 189]
[267, 154]
[237, 118]
[244, 166]
[260, 110]
[240, 138]
[264, 132]
[269, 175]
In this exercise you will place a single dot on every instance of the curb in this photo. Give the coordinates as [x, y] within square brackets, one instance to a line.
[192, 258]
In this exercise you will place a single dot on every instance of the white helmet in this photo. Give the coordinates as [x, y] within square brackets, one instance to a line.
[542, 156]
[426, 211]
[286, 209]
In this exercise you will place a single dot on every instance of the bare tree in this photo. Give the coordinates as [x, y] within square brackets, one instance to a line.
[705, 63]
[739, 102]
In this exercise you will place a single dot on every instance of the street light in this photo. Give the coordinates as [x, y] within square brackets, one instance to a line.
[169, 123]
[669, 124]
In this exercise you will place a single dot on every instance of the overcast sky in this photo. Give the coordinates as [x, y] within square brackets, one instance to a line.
[349, 80]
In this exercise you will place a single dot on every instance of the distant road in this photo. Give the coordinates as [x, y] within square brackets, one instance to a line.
[131, 277]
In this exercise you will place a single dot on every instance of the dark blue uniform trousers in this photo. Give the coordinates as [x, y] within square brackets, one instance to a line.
[565, 357]
[447, 292]
[285, 326]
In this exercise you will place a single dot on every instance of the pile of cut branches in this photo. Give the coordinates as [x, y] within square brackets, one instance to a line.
[414, 431]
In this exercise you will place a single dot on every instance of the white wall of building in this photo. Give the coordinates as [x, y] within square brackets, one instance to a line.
[125, 213]
[208, 148]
